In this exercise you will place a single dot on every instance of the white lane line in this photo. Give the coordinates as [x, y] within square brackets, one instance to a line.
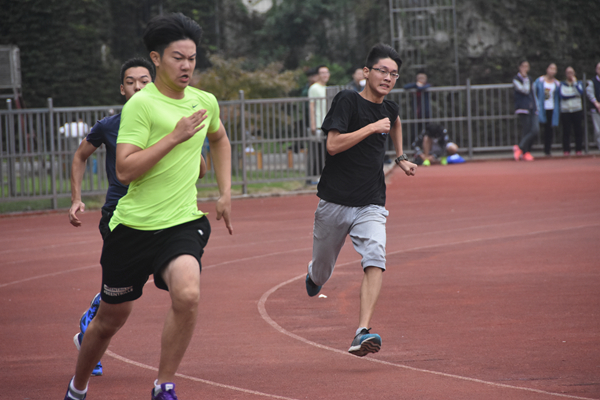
[256, 257]
[265, 316]
[192, 378]
[48, 275]
[46, 247]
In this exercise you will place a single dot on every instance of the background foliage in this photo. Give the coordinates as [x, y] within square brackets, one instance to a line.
[71, 50]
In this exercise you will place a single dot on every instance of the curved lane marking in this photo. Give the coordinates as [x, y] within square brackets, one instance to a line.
[265, 316]
[221, 385]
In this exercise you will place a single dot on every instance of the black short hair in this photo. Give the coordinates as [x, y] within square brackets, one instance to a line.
[137, 62]
[421, 71]
[523, 62]
[318, 67]
[434, 130]
[311, 72]
[163, 30]
[381, 51]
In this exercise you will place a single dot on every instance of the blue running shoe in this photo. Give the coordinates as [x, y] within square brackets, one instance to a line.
[167, 392]
[311, 288]
[365, 343]
[77, 339]
[87, 316]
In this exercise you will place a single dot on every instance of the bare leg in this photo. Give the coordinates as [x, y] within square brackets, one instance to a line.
[109, 319]
[427, 143]
[369, 293]
[182, 276]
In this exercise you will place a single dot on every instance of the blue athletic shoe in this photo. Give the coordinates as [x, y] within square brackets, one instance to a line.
[311, 288]
[77, 339]
[365, 343]
[85, 320]
[87, 316]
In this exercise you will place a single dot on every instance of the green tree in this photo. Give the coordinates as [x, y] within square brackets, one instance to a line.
[63, 52]
[227, 77]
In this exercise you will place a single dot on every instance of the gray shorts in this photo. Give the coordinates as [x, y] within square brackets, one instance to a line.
[333, 222]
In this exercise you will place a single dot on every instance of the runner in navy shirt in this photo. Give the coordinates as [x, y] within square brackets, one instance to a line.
[135, 74]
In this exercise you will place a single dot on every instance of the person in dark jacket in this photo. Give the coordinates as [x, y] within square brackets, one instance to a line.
[571, 111]
[527, 113]
[593, 93]
[420, 102]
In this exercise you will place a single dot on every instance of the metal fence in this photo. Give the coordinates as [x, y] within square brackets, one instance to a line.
[270, 138]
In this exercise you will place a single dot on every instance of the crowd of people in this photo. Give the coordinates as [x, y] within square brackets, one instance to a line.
[545, 102]
[542, 104]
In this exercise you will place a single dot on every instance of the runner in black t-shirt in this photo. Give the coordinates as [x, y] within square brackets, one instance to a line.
[352, 186]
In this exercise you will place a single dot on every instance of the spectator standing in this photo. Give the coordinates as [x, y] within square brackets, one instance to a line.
[74, 133]
[547, 94]
[318, 109]
[571, 111]
[358, 81]
[593, 93]
[527, 113]
[421, 104]
[311, 77]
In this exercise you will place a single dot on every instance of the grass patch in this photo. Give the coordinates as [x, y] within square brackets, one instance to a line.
[91, 203]
[97, 201]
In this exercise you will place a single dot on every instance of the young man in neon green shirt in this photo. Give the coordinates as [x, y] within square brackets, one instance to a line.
[157, 227]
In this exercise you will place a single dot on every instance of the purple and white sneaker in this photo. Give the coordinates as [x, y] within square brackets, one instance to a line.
[166, 392]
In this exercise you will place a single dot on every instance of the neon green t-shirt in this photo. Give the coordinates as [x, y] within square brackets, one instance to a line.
[165, 196]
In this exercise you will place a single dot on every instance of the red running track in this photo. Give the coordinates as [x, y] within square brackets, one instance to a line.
[492, 292]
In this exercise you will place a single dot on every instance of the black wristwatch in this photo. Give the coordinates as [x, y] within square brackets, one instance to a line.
[401, 158]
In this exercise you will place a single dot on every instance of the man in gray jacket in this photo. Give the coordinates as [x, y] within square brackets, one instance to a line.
[593, 93]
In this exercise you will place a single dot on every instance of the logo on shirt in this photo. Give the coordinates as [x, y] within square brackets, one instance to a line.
[195, 106]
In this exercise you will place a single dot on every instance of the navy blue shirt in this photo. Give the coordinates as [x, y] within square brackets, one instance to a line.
[104, 132]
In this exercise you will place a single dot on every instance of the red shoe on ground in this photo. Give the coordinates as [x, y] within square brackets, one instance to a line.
[528, 157]
[517, 152]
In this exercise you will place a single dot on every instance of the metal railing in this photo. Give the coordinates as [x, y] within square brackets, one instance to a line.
[270, 138]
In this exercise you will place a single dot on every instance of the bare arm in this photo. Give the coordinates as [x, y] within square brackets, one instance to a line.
[396, 134]
[133, 162]
[220, 150]
[202, 167]
[338, 142]
[84, 151]
[311, 111]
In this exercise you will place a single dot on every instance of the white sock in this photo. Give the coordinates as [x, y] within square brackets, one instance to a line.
[157, 388]
[77, 391]
[360, 329]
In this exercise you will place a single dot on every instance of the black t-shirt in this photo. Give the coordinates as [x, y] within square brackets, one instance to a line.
[355, 177]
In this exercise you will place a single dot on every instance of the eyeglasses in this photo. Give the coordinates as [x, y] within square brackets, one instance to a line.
[385, 73]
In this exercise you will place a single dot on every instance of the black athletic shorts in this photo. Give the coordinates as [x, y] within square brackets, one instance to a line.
[130, 256]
